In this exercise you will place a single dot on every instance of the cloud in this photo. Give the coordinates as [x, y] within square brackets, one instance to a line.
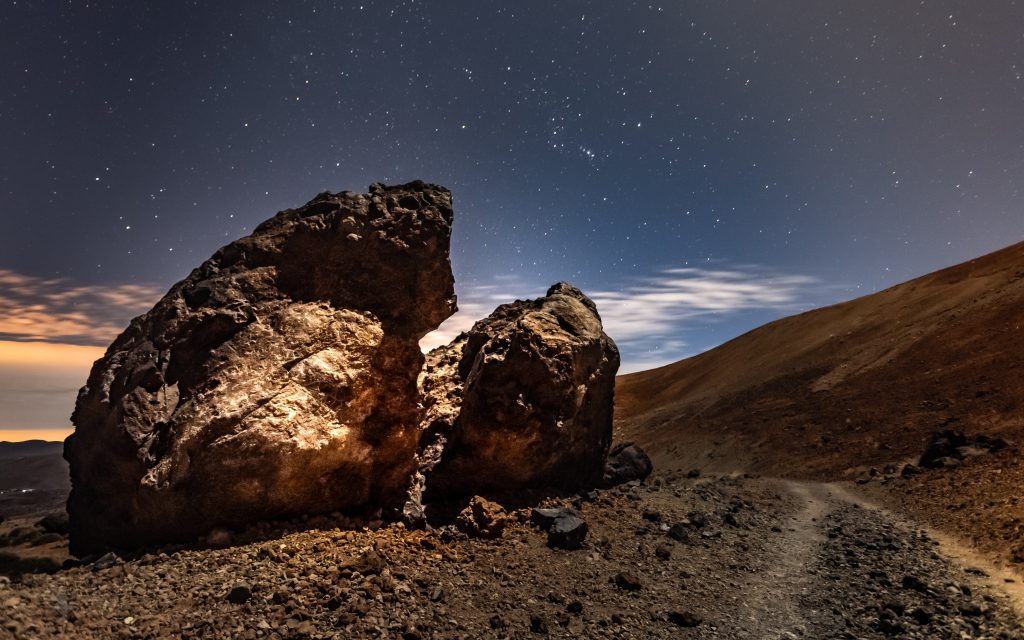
[649, 317]
[59, 310]
[475, 302]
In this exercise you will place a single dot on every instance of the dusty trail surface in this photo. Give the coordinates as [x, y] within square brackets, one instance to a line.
[722, 557]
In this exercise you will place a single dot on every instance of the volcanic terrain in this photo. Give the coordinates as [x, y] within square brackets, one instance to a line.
[789, 499]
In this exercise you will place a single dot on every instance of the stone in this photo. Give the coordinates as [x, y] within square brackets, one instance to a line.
[627, 581]
[683, 619]
[949, 447]
[697, 519]
[482, 519]
[567, 532]
[922, 615]
[523, 400]
[626, 462]
[544, 517]
[240, 593]
[369, 563]
[105, 561]
[54, 523]
[942, 444]
[914, 583]
[278, 379]
[679, 532]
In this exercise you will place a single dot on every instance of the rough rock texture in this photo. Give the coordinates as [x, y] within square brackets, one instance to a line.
[948, 447]
[523, 400]
[278, 379]
[625, 463]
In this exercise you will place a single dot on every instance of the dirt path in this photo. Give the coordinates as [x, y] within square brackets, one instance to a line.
[844, 568]
[771, 605]
[1002, 580]
[732, 557]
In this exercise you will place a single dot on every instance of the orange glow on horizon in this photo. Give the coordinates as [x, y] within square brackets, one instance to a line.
[20, 435]
[48, 353]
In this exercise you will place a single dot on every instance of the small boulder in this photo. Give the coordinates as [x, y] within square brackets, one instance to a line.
[683, 619]
[627, 581]
[544, 517]
[626, 462]
[567, 532]
[240, 593]
[55, 523]
[482, 519]
[679, 532]
[369, 563]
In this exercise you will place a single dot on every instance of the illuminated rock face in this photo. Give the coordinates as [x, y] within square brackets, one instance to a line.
[522, 400]
[278, 379]
[281, 379]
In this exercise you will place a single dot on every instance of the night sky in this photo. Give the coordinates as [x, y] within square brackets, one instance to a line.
[699, 168]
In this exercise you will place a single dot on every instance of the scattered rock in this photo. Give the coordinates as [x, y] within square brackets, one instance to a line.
[55, 523]
[626, 462]
[949, 447]
[544, 517]
[240, 593]
[680, 532]
[914, 583]
[922, 615]
[538, 624]
[482, 519]
[627, 581]
[369, 563]
[567, 532]
[105, 561]
[683, 619]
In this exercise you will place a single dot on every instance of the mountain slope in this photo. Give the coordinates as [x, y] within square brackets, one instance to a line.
[829, 393]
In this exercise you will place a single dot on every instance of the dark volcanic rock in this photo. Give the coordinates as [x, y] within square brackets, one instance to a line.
[523, 400]
[947, 448]
[626, 462]
[278, 379]
[544, 517]
[567, 532]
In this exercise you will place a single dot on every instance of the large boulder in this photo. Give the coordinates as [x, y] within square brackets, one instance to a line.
[521, 401]
[279, 378]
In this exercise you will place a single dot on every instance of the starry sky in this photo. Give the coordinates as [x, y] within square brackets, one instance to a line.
[698, 167]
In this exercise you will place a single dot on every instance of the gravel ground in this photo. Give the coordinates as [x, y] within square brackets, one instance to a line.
[727, 557]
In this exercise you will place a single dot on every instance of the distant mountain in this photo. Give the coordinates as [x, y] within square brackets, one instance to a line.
[33, 477]
[29, 448]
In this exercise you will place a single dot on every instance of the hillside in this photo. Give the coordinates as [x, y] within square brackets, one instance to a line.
[829, 394]
[33, 477]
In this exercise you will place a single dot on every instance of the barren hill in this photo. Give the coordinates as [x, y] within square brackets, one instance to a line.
[830, 393]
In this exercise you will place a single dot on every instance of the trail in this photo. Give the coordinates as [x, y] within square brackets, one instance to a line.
[1001, 579]
[842, 558]
[772, 597]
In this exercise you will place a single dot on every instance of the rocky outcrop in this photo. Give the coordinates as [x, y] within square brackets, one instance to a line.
[283, 378]
[947, 448]
[523, 400]
[277, 379]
